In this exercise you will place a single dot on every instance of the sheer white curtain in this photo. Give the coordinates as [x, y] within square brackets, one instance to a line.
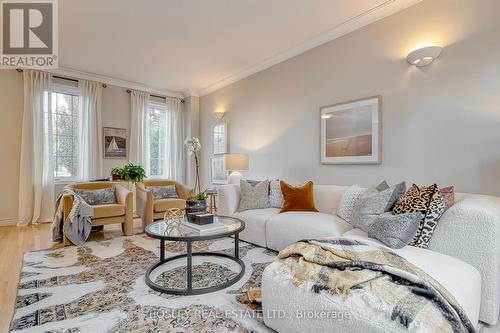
[139, 143]
[90, 133]
[36, 181]
[176, 133]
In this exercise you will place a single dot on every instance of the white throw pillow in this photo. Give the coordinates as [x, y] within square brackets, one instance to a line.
[275, 194]
[348, 201]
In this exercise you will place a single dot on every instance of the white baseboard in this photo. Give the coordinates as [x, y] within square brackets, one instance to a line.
[7, 221]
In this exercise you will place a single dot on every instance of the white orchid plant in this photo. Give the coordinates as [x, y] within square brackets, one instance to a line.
[193, 146]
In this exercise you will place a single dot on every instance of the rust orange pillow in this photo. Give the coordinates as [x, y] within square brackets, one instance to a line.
[297, 198]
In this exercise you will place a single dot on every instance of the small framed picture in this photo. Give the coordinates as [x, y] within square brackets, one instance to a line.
[351, 132]
[219, 175]
[219, 138]
[115, 142]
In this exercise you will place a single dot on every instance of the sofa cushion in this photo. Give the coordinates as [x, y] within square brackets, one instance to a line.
[416, 199]
[285, 228]
[104, 196]
[163, 192]
[448, 194]
[101, 211]
[298, 198]
[428, 224]
[395, 231]
[255, 224]
[163, 204]
[373, 202]
[254, 196]
[327, 197]
[348, 201]
[275, 194]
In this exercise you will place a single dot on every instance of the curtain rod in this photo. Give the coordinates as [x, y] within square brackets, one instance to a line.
[104, 85]
[158, 96]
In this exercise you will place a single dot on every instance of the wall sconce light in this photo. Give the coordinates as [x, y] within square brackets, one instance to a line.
[219, 114]
[424, 56]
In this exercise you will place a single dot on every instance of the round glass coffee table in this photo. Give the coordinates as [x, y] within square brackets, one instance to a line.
[166, 232]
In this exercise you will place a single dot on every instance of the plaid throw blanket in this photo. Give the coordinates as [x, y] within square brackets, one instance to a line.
[342, 265]
[79, 223]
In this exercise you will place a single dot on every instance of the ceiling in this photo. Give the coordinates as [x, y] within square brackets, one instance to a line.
[197, 46]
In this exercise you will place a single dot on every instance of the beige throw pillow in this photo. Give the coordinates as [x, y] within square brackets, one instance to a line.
[254, 196]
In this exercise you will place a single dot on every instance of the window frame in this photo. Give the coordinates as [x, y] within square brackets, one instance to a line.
[162, 158]
[59, 88]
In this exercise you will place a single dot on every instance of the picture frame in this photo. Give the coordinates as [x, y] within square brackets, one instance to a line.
[351, 132]
[115, 143]
[219, 138]
[219, 175]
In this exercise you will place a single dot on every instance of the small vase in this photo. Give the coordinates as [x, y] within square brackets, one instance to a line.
[196, 206]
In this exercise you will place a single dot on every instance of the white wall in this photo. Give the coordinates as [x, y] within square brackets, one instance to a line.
[115, 113]
[441, 122]
[11, 111]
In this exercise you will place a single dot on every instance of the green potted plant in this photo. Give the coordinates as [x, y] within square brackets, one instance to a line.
[196, 203]
[130, 173]
[117, 174]
[134, 173]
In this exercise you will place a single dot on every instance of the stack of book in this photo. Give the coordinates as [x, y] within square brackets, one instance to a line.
[206, 228]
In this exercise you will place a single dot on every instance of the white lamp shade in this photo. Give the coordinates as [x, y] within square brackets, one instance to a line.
[236, 162]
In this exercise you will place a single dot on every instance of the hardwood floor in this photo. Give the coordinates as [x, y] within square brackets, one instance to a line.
[14, 241]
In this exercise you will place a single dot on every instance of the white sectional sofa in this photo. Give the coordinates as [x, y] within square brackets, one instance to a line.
[468, 231]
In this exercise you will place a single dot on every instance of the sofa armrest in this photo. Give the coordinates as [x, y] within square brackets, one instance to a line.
[470, 231]
[122, 194]
[125, 197]
[144, 203]
[229, 199]
[68, 205]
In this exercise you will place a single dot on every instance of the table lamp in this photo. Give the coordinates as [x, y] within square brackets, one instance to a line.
[235, 163]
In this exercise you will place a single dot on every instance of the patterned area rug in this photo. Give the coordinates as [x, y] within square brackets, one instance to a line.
[100, 287]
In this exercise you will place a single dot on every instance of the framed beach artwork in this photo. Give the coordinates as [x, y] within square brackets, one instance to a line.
[351, 132]
[115, 142]
[219, 138]
[219, 175]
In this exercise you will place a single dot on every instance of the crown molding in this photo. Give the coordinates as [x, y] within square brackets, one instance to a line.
[374, 14]
[73, 73]
[191, 93]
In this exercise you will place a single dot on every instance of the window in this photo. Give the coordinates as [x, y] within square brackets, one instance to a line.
[64, 121]
[157, 120]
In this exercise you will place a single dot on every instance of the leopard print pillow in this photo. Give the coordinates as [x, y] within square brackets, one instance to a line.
[416, 199]
[429, 222]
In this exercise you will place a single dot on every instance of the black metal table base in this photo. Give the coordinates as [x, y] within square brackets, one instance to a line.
[189, 255]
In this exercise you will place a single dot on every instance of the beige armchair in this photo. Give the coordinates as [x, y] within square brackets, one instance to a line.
[150, 209]
[121, 212]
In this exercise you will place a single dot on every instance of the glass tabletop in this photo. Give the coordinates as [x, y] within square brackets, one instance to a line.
[222, 226]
